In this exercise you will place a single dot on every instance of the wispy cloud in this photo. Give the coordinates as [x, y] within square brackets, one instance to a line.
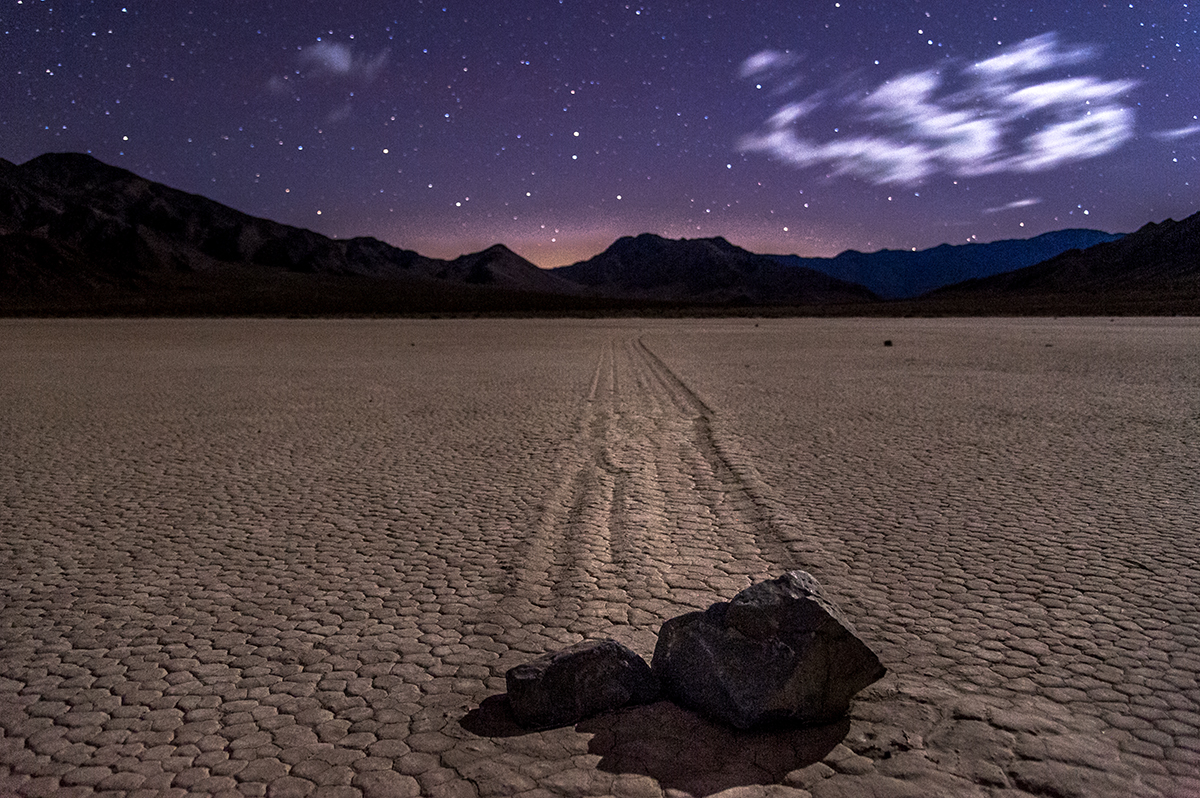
[1030, 57]
[334, 59]
[1015, 204]
[916, 125]
[766, 62]
[332, 69]
[1178, 133]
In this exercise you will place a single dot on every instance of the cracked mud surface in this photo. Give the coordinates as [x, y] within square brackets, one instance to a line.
[297, 558]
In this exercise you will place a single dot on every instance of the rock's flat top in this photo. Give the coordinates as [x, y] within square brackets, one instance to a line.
[294, 558]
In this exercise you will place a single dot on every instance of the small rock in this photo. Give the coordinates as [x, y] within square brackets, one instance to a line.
[564, 687]
[806, 778]
[843, 760]
[779, 651]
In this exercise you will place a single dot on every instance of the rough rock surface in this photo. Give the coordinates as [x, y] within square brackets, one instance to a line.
[563, 687]
[779, 651]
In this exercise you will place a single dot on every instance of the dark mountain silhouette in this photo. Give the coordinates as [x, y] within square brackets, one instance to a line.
[708, 270]
[77, 234]
[1155, 270]
[901, 274]
[79, 237]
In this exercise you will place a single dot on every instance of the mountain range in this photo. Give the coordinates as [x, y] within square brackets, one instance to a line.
[708, 271]
[1154, 270]
[80, 237]
[77, 234]
[904, 274]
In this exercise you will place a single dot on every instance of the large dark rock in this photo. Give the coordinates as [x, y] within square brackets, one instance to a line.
[564, 687]
[779, 651]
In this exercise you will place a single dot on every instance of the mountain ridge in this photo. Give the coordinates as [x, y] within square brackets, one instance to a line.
[1157, 265]
[710, 270]
[78, 236]
[905, 274]
[214, 232]
[73, 225]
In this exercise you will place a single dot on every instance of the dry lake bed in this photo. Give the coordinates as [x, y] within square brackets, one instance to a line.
[294, 558]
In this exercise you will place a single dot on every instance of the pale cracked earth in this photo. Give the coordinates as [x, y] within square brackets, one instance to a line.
[296, 558]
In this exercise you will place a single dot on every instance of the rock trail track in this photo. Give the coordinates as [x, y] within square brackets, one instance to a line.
[649, 513]
[296, 558]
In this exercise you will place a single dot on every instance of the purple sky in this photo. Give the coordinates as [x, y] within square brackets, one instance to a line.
[556, 126]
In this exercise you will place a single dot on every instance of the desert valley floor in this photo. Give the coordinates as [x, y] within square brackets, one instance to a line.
[289, 558]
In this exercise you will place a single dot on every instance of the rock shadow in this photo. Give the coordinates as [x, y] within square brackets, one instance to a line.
[493, 718]
[684, 751]
[678, 748]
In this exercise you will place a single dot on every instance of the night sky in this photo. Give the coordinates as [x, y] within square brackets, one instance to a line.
[555, 126]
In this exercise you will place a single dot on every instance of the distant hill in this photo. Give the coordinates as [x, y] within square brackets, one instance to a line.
[902, 274]
[1155, 270]
[79, 237]
[705, 270]
[78, 234]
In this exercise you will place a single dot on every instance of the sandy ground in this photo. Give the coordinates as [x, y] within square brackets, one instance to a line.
[297, 557]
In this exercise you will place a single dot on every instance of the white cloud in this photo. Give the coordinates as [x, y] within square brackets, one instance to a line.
[910, 128]
[370, 69]
[1178, 133]
[1039, 54]
[766, 61]
[1015, 204]
[1070, 92]
[334, 59]
[956, 137]
[337, 60]
[793, 112]
[893, 161]
[331, 72]
[1101, 131]
[888, 160]
[904, 95]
